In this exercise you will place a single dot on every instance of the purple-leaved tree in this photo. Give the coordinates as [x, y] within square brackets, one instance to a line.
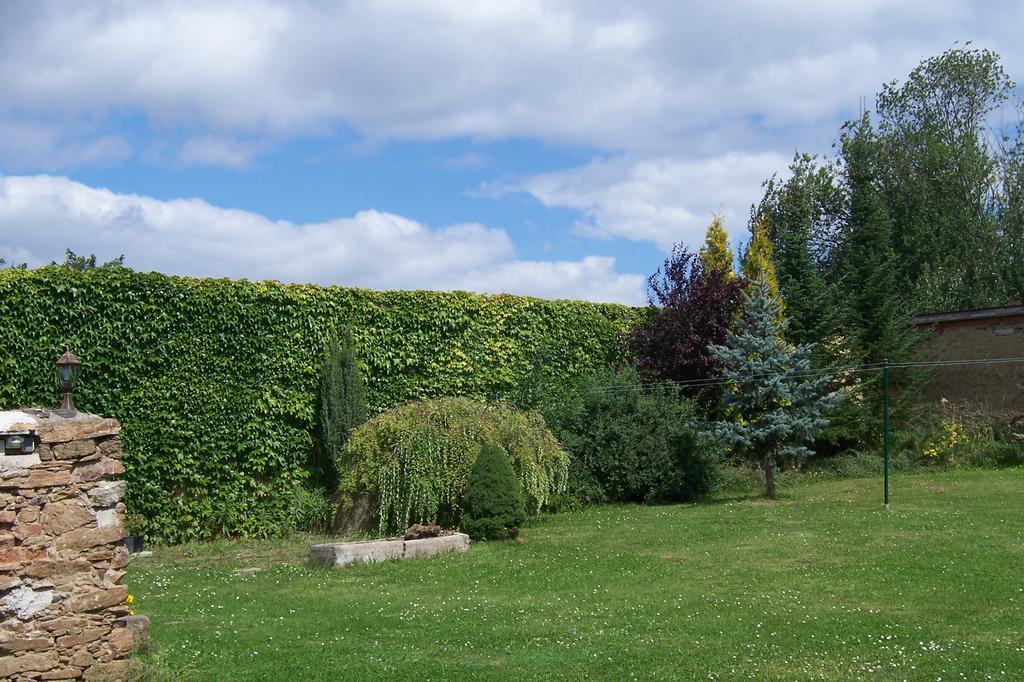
[691, 307]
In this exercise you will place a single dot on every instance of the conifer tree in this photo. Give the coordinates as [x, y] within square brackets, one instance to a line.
[875, 292]
[774, 405]
[492, 507]
[758, 261]
[341, 407]
[804, 214]
[870, 275]
[716, 254]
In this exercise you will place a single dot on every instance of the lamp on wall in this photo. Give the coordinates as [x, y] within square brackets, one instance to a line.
[68, 369]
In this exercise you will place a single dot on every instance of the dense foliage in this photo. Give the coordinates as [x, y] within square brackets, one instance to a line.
[919, 211]
[938, 188]
[215, 381]
[417, 458]
[691, 306]
[341, 407]
[493, 503]
[629, 443]
[775, 404]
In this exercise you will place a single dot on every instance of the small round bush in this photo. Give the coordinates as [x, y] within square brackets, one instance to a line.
[417, 457]
[492, 508]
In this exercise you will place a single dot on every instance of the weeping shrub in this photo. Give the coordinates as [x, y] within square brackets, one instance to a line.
[493, 505]
[417, 458]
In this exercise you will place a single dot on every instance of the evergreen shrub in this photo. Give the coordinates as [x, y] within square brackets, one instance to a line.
[341, 406]
[493, 503]
[629, 443]
[417, 458]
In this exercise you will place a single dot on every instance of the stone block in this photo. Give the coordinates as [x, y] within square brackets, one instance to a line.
[87, 635]
[94, 471]
[82, 659]
[111, 447]
[60, 517]
[97, 599]
[25, 644]
[28, 514]
[138, 626]
[427, 547]
[48, 568]
[82, 426]
[122, 641]
[75, 449]
[19, 461]
[339, 554]
[16, 555]
[35, 479]
[106, 518]
[84, 538]
[38, 662]
[107, 493]
[24, 531]
[66, 673]
[24, 602]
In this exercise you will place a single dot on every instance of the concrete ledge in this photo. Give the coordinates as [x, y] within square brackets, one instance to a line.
[341, 554]
[457, 542]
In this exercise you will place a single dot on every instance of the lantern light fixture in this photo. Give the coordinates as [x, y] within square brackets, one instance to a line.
[68, 369]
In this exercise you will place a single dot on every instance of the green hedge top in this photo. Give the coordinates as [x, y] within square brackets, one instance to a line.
[214, 380]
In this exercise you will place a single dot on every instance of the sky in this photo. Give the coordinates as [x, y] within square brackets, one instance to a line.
[555, 149]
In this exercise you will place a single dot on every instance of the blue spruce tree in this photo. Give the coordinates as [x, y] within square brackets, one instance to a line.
[775, 403]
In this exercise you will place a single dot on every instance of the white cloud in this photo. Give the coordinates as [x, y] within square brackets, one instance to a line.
[661, 200]
[210, 150]
[50, 147]
[656, 78]
[370, 249]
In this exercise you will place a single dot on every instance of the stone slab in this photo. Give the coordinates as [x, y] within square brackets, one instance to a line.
[341, 554]
[427, 547]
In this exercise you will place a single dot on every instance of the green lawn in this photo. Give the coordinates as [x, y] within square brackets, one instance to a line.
[820, 585]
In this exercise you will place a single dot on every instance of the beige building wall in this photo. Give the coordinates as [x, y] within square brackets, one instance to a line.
[975, 335]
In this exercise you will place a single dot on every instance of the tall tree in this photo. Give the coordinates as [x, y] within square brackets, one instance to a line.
[716, 254]
[939, 162]
[872, 281]
[804, 215]
[774, 407]
[873, 286]
[341, 406]
[690, 307]
[1010, 207]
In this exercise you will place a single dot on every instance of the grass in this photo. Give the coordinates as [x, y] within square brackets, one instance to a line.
[819, 585]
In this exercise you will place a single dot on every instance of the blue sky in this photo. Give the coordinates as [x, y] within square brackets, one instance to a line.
[555, 149]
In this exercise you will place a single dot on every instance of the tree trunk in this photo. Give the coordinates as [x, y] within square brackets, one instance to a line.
[769, 477]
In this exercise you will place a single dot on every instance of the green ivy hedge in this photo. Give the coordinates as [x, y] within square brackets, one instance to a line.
[213, 379]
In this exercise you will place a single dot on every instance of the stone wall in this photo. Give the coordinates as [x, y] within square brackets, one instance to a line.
[62, 605]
